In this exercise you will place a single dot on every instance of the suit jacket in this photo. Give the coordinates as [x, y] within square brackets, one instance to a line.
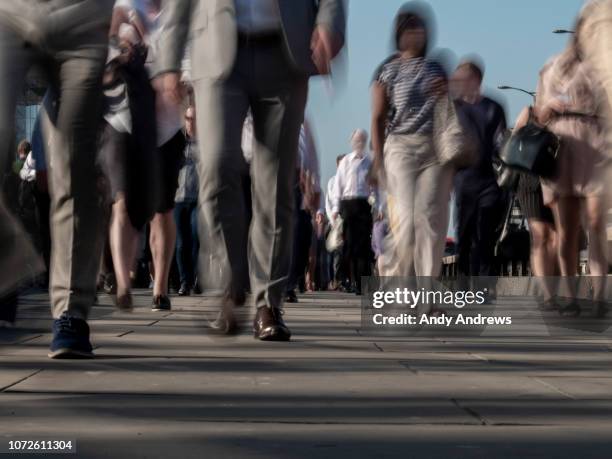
[214, 33]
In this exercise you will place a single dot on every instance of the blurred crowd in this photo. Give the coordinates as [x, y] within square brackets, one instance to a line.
[171, 152]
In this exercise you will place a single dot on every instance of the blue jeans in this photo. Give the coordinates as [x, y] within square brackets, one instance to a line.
[187, 242]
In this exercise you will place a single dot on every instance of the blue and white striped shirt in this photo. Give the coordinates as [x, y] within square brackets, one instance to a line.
[408, 84]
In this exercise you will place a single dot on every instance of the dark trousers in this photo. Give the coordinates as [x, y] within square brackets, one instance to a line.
[187, 241]
[479, 215]
[357, 217]
[302, 238]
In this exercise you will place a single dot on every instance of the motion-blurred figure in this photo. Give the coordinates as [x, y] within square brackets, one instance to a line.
[595, 38]
[479, 200]
[240, 60]
[68, 38]
[307, 194]
[186, 210]
[571, 102]
[405, 92]
[128, 144]
[336, 273]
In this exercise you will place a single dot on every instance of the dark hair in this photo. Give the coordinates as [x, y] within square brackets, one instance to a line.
[414, 15]
[24, 146]
[339, 158]
[474, 68]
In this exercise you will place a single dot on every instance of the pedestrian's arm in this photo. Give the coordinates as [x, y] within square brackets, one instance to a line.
[176, 24]
[173, 41]
[380, 108]
[332, 16]
[328, 35]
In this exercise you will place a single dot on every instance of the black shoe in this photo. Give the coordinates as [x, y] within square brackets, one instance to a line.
[600, 309]
[70, 339]
[184, 290]
[291, 297]
[571, 310]
[124, 303]
[197, 290]
[8, 310]
[161, 303]
[269, 326]
[548, 305]
[110, 286]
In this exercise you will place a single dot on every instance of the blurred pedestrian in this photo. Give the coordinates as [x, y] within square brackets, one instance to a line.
[242, 62]
[186, 210]
[307, 195]
[70, 38]
[351, 192]
[571, 102]
[479, 201]
[337, 272]
[406, 89]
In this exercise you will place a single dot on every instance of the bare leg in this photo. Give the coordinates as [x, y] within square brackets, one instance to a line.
[544, 260]
[162, 240]
[598, 260]
[123, 243]
[567, 218]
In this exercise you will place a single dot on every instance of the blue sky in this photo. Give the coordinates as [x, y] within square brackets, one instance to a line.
[513, 37]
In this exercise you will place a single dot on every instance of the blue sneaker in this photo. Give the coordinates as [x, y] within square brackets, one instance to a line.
[70, 339]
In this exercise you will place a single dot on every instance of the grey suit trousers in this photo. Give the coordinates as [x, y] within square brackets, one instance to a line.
[67, 39]
[263, 81]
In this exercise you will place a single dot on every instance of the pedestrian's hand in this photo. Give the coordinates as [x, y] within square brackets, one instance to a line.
[168, 86]
[324, 46]
[376, 170]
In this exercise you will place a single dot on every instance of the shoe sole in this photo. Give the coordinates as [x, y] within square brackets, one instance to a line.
[67, 353]
[274, 335]
[160, 309]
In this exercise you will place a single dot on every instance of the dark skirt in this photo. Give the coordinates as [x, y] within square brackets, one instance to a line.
[131, 160]
[529, 194]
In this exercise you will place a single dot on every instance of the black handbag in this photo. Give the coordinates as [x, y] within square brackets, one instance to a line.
[532, 149]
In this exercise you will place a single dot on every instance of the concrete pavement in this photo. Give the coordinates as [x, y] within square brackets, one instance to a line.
[162, 387]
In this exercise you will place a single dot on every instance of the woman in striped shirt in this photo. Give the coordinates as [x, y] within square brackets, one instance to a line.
[405, 91]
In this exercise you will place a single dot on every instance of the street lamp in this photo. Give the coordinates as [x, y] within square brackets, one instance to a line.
[504, 87]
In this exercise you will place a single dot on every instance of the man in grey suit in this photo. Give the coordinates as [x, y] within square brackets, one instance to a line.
[255, 54]
[67, 39]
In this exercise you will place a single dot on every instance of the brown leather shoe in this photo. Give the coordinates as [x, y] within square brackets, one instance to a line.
[269, 326]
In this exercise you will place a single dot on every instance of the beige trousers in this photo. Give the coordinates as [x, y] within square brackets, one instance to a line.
[420, 187]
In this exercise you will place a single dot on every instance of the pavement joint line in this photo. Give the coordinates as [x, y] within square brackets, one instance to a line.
[5, 389]
[555, 388]
[153, 323]
[125, 333]
[23, 341]
[470, 411]
[408, 367]
[378, 347]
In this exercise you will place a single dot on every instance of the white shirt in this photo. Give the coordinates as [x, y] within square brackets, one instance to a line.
[351, 179]
[329, 198]
[248, 139]
[28, 170]
[257, 16]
